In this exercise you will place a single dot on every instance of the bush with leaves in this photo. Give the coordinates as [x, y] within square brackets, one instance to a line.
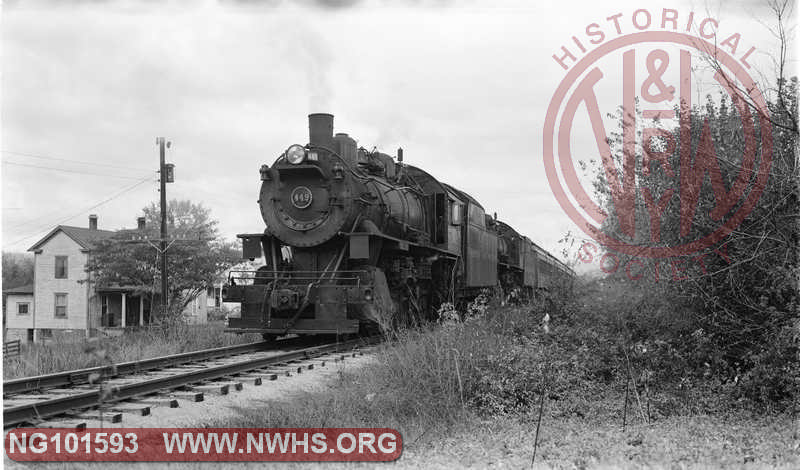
[739, 323]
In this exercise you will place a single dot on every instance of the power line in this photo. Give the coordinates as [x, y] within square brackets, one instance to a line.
[129, 188]
[71, 171]
[35, 220]
[116, 195]
[72, 161]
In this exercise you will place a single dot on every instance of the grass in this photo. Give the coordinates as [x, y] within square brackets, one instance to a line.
[573, 442]
[467, 394]
[62, 354]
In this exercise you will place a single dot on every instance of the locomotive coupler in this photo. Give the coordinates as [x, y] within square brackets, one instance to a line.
[284, 299]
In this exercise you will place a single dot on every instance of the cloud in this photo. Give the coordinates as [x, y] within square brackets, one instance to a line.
[463, 89]
[308, 51]
[334, 3]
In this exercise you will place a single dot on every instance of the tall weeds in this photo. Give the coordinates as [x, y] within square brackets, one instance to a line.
[68, 353]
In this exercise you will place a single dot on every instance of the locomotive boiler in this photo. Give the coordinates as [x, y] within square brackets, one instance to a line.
[357, 239]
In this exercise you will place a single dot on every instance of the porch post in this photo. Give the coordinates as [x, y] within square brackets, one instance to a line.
[141, 310]
[124, 301]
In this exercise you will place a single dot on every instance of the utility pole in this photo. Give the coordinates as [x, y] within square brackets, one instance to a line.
[163, 242]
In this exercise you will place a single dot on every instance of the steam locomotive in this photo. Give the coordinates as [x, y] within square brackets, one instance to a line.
[357, 239]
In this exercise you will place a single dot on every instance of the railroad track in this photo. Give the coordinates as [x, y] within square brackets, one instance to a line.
[80, 377]
[34, 399]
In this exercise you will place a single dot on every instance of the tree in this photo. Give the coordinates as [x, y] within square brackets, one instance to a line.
[17, 269]
[196, 256]
[744, 304]
[184, 219]
[743, 322]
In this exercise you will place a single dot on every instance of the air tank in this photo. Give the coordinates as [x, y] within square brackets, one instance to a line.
[346, 147]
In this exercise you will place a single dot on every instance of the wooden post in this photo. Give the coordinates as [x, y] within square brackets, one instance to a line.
[163, 242]
[124, 301]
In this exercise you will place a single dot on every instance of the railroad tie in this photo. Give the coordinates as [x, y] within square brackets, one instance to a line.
[261, 374]
[232, 384]
[106, 416]
[288, 368]
[255, 380]
[65, 423]
[219, 389]
[26, 399]
[134, 408]
[188, 395]
[167, 402]
[68, 391]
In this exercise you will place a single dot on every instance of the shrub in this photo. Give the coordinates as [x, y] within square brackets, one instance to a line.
[643, 332]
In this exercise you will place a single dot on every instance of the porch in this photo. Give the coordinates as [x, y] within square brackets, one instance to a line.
[123, 308]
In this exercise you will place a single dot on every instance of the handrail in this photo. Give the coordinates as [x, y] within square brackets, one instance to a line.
[12, 348]
[245, 277]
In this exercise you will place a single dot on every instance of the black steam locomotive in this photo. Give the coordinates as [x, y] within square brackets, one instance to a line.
[356, 239]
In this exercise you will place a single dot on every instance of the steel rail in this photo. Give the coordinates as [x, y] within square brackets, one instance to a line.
[30, 412]
[81, 376]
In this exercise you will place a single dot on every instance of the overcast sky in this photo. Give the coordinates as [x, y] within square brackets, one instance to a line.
[462, 86]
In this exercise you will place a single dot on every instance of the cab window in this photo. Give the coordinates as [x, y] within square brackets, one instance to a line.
[455, 213]
[476, 216]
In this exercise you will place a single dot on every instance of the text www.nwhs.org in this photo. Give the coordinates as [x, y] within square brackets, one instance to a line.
[204, 444]
[282, 443]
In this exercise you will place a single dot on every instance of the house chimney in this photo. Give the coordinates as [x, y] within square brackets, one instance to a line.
[93, 222]
[140, 223]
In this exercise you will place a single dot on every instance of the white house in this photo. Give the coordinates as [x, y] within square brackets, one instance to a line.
[65, 298]
[18, 310]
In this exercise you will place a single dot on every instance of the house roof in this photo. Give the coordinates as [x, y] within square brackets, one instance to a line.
[115, 287]
[26, 289]
[85, 237]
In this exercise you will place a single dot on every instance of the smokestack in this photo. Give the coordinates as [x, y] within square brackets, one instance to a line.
[93, 222]
[320, 129]
[140, 223]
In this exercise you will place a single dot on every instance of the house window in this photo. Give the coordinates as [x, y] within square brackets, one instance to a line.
[23, 308]
[61, 267]
[61, 306]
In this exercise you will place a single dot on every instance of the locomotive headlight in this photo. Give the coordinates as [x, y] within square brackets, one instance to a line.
[296, 154]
